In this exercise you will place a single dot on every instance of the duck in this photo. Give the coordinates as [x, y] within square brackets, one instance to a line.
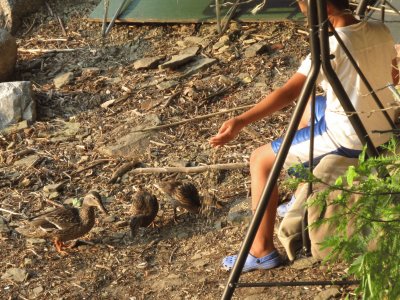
[181, 194]
[144, 209]
[64, 224]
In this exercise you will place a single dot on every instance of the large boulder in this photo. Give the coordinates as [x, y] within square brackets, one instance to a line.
[12, 12]
[16, 103]
[8, 57]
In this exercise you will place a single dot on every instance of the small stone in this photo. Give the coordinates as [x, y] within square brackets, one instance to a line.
[27, 161]
[148, 62]
[34, 241]
[52, 187]
[37, 291]
[167, 84]
[185, 56]
[63, 79]
[199, 65]
[15, 274]
[240, 212]
[28, 262]
[327, 294]
[53, 195]
[17, 103]
[304, 263]
[256, 49]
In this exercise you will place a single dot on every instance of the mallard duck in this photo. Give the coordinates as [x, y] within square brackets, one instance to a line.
[181, 194]
[144, 209]
[65, 223]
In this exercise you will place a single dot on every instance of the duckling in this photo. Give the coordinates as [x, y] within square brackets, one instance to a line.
[65, 223]
[144, 210]
[183, 194]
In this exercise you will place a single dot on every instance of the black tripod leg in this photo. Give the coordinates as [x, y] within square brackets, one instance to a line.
[281, 156]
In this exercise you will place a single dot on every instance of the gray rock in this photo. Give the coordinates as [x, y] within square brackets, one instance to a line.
[37, 291]
[182, 58]
[12, 12]
[304, 263]
[15, 127]
[8, 57]
[63, 79]
[199, 65]
[167, 84]
[256, 49]
[34, 241]
[16, 103]
[194, 40]
[239, 212]
[224, 40]
[27, 161]
[327, 294]
[134, 144]
[147, 62]
[15, 274]
[52, 187]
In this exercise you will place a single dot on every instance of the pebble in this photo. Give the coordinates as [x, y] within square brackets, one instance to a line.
[15, 274]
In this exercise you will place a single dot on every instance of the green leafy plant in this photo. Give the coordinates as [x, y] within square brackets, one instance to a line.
[366, 222]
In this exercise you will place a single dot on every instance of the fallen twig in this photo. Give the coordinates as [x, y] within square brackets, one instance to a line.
[11, 212]
[172, 254]
[194, 119]
[49, 8]
[199, 169]
[62, 26]
[52, 202]
[122, 170]
[170, 98]
[23, 50]
[92, 165]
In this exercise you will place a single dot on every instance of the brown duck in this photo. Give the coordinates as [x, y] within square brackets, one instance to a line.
[182, 194]
[144, 210]
[65, 223]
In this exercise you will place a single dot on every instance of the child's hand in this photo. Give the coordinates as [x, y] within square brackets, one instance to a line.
[228, 131]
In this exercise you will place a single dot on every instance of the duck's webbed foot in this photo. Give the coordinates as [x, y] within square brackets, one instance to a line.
[59, 245]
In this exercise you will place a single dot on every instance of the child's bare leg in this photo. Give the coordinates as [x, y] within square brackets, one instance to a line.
[261, 162]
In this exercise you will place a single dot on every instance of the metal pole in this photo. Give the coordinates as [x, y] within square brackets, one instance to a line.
[383, 11]
[282, 154]
[297, 283]
[218, 15]
[361, 8]
[335, 82]
[304, 222]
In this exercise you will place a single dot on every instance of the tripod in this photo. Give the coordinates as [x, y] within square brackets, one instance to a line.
[319, 42]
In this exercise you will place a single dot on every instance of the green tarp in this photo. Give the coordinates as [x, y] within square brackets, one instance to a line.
[194, 11]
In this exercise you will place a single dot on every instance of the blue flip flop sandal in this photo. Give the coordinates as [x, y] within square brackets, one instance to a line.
[269, 261]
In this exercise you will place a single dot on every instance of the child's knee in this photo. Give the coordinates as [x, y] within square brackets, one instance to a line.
[263, 156]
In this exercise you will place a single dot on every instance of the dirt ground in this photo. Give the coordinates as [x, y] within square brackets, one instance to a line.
[171, 261]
